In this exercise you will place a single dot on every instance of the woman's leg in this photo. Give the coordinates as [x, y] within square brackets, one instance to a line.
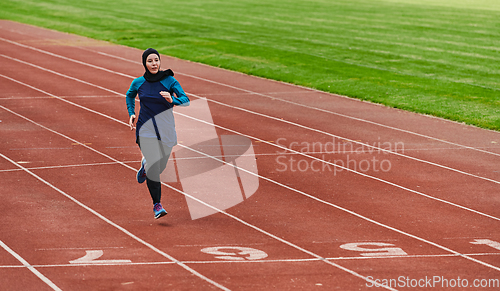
[154, 190]
[156, 155]
[166, 151]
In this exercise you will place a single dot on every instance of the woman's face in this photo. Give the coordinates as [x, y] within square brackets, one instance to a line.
[153, 63]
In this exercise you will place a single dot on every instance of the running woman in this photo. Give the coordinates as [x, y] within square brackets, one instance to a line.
[158, 93]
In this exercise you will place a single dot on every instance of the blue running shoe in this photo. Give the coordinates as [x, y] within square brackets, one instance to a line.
[141, 174]
[159, 211]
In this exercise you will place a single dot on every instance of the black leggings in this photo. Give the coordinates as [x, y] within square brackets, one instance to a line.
[156, 154]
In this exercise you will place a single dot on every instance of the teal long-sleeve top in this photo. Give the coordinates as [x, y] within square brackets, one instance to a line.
[156, 119]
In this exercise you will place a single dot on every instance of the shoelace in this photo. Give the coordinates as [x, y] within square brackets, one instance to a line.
[158, 207]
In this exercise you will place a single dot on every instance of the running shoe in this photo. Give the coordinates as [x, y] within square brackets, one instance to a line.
[141, 174]
[159, 211]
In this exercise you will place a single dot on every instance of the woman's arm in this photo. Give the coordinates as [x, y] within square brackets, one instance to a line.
[180, 96]
[130, 100]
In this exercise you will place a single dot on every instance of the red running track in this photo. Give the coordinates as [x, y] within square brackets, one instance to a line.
[348, 193]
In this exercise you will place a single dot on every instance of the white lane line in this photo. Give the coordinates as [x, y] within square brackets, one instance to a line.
[150, 246]
[177, 158]
[38, 149]
[84, 248]
[30, 267]
[67, 166]
[263, 261]
[281, 147]
[47, 97]
[183, 193]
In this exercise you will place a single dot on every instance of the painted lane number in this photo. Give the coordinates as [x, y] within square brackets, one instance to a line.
[235, 253]
[92, 256]
[374, 249]
[493, 244]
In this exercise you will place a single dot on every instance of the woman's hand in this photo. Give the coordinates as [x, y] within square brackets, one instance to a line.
[131, 122]
[167, 96]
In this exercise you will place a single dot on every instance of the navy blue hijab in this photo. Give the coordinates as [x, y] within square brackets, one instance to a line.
[154, 77]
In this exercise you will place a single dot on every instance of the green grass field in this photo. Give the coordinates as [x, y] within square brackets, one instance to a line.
[438, 57]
